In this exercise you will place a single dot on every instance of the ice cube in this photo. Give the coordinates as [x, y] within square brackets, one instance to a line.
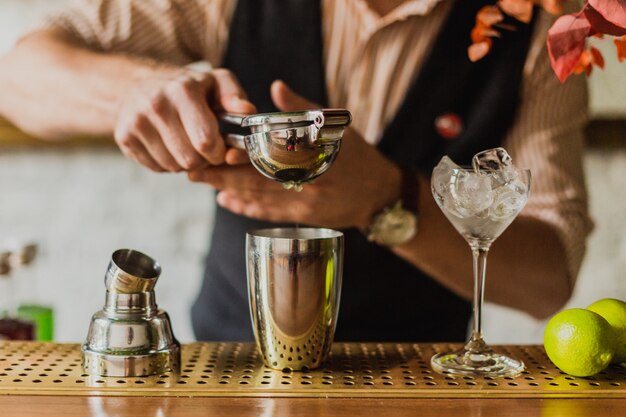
[491, 160]
[473, 191]
[507, 203]
[443, 177]
[505, 176]
[453, 207]
[518, 186]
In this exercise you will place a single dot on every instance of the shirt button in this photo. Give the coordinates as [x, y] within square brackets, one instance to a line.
[449, 125]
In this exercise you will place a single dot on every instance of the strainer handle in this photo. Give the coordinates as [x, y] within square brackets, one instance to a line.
[232, 139]
[336, 117]
[233, 119]
[235, 141]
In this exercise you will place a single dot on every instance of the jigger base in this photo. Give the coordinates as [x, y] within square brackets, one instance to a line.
[102, 364]
[464, 362]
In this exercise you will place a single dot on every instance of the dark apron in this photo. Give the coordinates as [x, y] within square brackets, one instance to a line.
[383, 298]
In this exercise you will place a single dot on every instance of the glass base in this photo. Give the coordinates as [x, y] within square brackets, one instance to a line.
[466, 362]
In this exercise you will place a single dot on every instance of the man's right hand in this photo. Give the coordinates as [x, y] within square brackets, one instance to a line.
[167, 122]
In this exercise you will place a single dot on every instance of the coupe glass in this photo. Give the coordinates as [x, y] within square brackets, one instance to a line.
[480, 206]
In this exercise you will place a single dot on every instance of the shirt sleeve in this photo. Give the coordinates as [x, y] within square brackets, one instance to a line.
[173, 31]
[547, 138]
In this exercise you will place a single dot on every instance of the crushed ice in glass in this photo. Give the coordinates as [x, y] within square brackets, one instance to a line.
[491, 190]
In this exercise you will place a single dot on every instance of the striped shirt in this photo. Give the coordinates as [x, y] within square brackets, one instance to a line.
[370, 61]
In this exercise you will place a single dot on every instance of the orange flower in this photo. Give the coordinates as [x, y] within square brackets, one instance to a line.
[583, 64]
[521, 10]
[587, 60]
[620, 44]
[596, 57]
[554, 7]
[489, 16]
[566, 37]
[483, 31]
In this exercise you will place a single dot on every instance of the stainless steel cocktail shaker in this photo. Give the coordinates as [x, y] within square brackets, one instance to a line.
[294, 283]
[130, 336]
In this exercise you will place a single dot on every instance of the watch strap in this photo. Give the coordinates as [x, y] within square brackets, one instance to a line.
[409, 192]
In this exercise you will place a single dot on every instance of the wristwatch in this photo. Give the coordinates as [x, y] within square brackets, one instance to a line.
[397, 224]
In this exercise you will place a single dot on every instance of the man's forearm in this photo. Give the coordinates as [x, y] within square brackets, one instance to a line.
[158, 113]
[526, 269]
[54, 88]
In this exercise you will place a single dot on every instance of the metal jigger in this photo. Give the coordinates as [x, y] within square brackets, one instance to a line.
[130, 336]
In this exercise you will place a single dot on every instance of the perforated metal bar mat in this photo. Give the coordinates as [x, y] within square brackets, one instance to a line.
[353, 370]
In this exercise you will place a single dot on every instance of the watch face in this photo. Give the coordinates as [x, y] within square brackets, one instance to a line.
[393, 227]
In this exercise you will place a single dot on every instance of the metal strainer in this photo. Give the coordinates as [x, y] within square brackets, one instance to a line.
[290, 147]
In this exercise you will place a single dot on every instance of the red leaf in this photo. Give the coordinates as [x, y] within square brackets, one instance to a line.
[596, 57]
[620, 44]
[613, 11]
[566, 43]
[600, 24]
[521, 10]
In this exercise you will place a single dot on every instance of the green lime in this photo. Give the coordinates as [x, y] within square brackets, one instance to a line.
[614, 311]
[579, 342]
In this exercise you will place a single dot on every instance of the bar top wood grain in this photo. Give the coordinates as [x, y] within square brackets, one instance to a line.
[44, 406]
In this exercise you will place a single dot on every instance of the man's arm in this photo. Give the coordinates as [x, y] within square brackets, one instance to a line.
[526, 268]
[159, 114]
[54, 88]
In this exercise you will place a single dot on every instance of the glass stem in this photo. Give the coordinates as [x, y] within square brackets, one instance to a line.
[479, 254]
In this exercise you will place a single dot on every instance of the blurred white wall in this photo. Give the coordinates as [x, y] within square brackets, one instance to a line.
[82, 203]
[19, 16]
[607, 87]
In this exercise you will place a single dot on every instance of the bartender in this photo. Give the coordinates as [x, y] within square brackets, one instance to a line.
[129, 69]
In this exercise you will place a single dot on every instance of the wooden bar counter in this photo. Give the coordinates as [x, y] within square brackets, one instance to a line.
[359, 379]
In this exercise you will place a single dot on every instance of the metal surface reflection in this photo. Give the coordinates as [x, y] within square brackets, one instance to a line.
[116, 407]
[291, 147]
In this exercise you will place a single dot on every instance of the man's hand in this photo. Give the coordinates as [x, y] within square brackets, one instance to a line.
[167, 122]
[360, 182]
